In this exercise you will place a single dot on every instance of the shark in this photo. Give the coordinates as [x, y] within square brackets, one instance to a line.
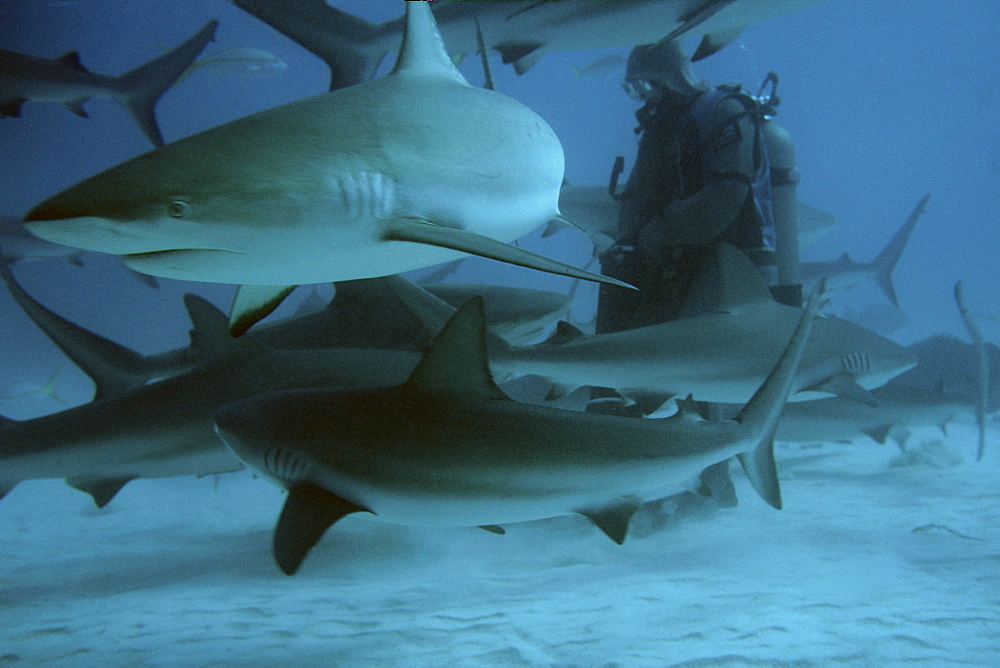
[518, 315]
[846, 273]
[521, 32]
[719, 356]
[403, 172]
[593, 210]
[449, 448]
[66, 81]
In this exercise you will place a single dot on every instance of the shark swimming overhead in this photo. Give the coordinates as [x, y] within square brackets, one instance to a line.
[400, 173]
[66, 81]
[448, 448]
[521, 31]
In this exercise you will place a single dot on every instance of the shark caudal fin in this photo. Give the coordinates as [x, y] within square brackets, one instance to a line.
[763, 410]
[346, 43]
[885, 262]
[114, 369]
[139, 89]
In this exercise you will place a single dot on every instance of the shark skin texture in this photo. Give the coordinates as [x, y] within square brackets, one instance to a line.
[66, 81]
[326, 190]
[521, 32]
[448, 448]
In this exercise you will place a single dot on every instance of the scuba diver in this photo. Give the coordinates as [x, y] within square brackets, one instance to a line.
[710, 168]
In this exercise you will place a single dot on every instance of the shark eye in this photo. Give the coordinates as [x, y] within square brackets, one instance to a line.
[178, 209]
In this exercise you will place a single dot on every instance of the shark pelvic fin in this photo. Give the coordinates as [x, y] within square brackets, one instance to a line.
[308, 512]
[422, 232]
[714, 42]
[613, 519]
[253, 303]
[101, 490]
[493, 528]
[422, 50]
[457, 360]
[842, 385]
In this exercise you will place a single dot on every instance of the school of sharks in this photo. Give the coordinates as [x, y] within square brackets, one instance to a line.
[401, 400]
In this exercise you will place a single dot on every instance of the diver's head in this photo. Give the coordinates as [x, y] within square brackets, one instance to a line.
[661, 70]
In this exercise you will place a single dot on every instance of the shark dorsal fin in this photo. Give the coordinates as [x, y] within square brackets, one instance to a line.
[422, 50]
[210, 339]
[71, 60]
[456, 362]
[740, 283]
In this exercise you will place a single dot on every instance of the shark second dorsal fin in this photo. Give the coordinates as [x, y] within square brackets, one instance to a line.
[71, 61]
[422, 50]
[456, 362]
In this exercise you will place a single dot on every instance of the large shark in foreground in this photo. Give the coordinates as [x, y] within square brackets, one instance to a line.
[448, 448]
[522, 32]
[392, 175]
[66, 81]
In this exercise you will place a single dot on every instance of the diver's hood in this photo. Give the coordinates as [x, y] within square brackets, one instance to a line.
[665, 64]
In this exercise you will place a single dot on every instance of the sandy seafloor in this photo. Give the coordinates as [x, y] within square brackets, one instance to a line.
[877, 559]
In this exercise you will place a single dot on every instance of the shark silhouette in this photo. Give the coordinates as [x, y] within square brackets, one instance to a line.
[65, 80]
[448, 448]
[396, 174]
[522, 32]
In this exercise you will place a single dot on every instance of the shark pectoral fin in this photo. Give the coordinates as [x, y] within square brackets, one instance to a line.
[715, 42]
[253, 303]
[522, 54]
[843, 385]
[613, 519]
[759, 466]
[308, 512]
[493, 528]
[476, 244]
[101, 490]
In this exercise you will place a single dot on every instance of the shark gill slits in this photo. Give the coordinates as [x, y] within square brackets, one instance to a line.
[855, 363]
[285, 464]
[178, 208]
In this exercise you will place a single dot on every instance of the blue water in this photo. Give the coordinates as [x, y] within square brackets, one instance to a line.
[886, 101]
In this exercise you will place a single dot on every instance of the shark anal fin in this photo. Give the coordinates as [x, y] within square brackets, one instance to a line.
[102, 490]
[716, 483]
[308, 512]
[879, 434]
[422, 232]
[493, 528]
[253, 303]
[842, 385]
[613, 519]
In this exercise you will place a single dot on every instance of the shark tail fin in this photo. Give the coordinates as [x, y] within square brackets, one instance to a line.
[6, 485]
[142, 87]
[114, 369]
[885, 262]
[762, 412]
[346, 43]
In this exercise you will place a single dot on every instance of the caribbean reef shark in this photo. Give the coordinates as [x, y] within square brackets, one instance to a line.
[449, 448]
[846, 273]
[719, 356]
[522, 32]
[380, 178]
[66, 81]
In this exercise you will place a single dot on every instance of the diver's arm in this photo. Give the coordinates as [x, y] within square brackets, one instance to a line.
[728, 157]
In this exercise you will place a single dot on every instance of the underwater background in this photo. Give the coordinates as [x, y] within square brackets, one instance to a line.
[879, 557]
